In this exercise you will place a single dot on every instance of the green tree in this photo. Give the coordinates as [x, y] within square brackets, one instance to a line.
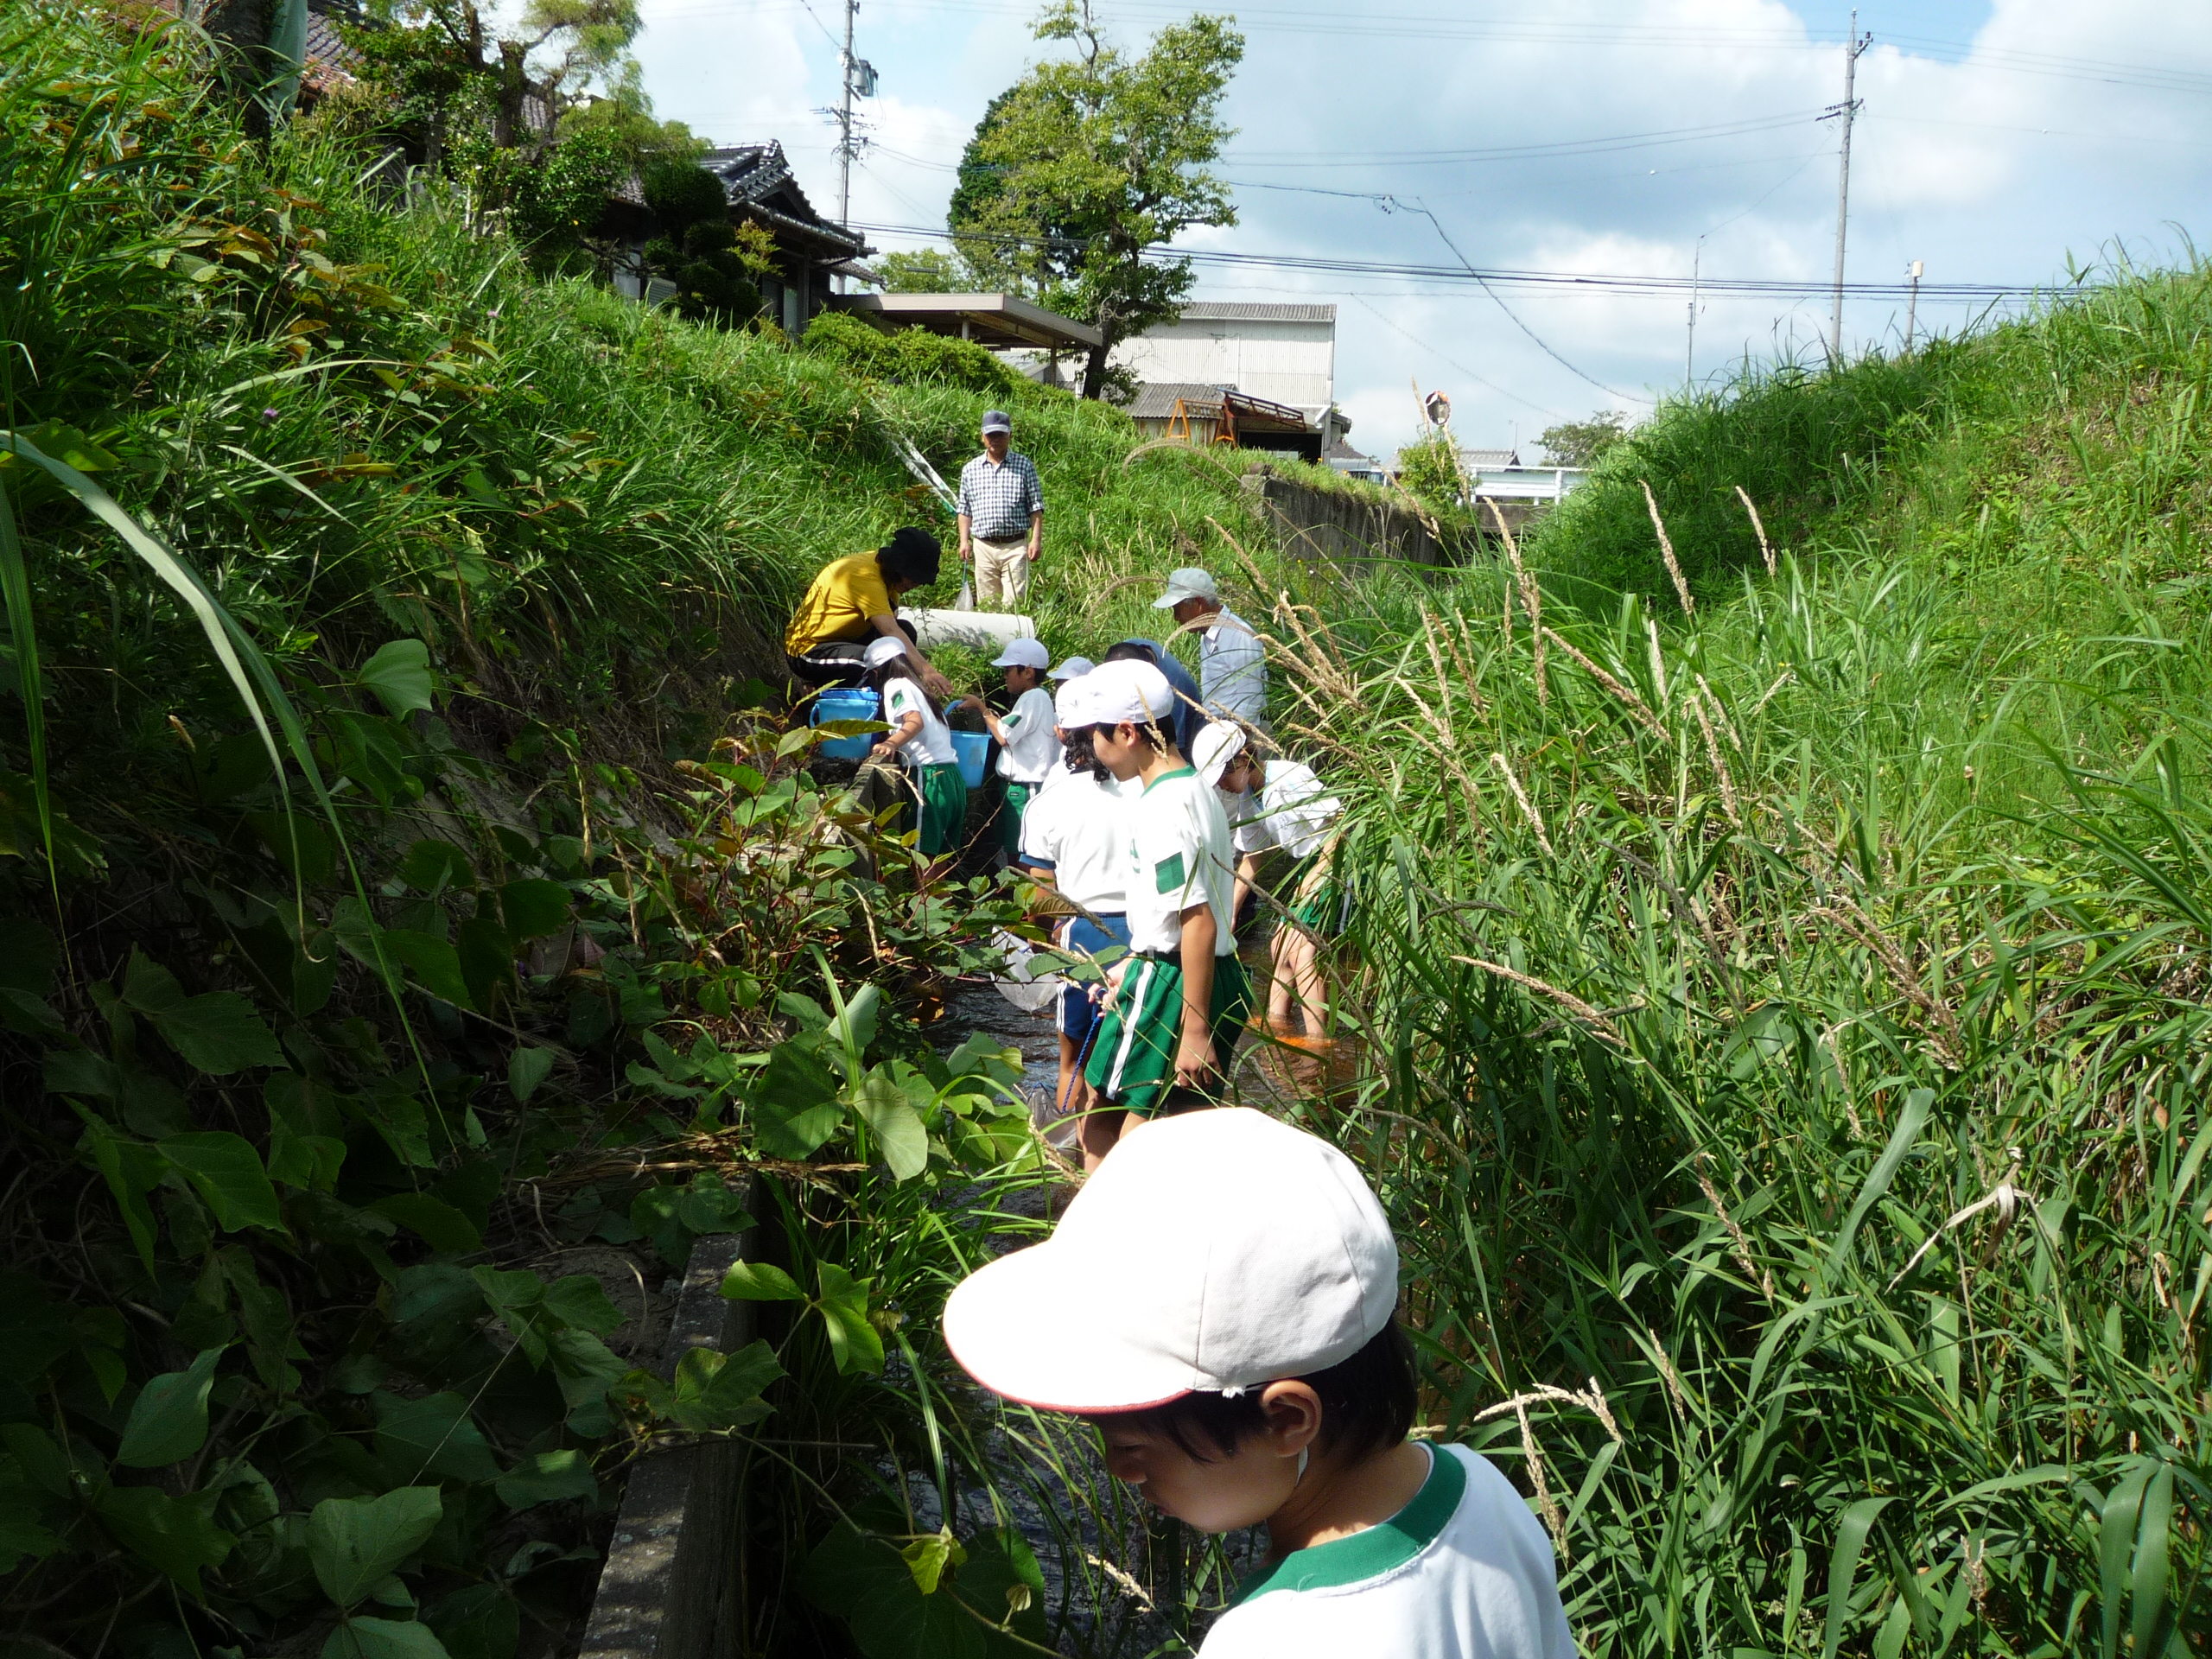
[1430, 471]
[1581, 443]
[1090, 163]
[928, 271]
[715, 266]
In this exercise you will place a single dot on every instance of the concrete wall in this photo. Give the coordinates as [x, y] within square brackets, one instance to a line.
[1339, 525]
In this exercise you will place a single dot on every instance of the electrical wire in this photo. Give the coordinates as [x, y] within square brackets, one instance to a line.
[1478, 380]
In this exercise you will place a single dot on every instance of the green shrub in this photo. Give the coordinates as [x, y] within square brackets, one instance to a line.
[913, 357]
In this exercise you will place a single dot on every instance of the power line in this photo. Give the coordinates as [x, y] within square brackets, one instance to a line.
[1478, 380]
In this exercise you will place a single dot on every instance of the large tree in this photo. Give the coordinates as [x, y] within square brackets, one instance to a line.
[1086, 167]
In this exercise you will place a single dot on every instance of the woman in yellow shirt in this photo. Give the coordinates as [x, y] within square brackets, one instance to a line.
[854, 601]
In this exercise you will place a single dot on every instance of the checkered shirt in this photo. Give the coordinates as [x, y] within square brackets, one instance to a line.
[998, 499]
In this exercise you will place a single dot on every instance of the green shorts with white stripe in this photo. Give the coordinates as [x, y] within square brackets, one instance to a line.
[1132, 1057]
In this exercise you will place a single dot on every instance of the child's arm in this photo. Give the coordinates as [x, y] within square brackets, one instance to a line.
[1194, 1054]
[998, 729]
[1247, 877]
[909, 724]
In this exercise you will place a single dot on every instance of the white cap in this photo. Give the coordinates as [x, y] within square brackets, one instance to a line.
[1023, 654]
[1072, 669]
[1219, 1250]
[1218, 742]
[1189, 583]
[1135, 692]
[1072, 704]
[883, 649]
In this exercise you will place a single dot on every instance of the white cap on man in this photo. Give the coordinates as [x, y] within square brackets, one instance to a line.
[883, 649]
[1215, 1250]
[1136, 693]
[1023, 654]
[1073, 668]
[1189, 583]
[1218, 742]
[996, 420]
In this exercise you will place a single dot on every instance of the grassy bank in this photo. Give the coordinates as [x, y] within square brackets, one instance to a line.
[1785, 1020]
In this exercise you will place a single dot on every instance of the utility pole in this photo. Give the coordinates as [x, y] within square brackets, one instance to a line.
[845, 129]
[1912, 305]
[1852, 47]
[1689, 365]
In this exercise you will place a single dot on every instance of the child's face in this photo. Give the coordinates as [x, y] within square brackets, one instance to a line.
[1020, 680]
[1242, 1489]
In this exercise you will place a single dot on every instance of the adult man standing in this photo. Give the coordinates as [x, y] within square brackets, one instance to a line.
[1002, 515]
[1232, 663]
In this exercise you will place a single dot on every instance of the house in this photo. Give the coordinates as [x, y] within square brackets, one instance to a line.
[1284, 353]
[1341, 457]
[761, 189]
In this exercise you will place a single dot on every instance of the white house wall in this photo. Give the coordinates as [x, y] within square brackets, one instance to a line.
[1293, 363]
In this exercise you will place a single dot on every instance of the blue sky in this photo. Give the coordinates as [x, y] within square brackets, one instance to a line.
[1997, 141]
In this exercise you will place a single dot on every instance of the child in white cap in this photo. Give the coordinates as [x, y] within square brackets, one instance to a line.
[1029, 747]
[1072, 843]
[921, 741]
[1178, 1000]
[1218, 1300]
[1275, 801]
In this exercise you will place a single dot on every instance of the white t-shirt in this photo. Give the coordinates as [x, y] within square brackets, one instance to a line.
[1290, 811]
[932, 744]
[1031, 750]
[1463, 1571]
[1073, 827]
[1178, 855]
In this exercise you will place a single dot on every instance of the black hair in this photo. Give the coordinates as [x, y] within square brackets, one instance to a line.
[911, 555]
[1367, 1406]
[1131, 651]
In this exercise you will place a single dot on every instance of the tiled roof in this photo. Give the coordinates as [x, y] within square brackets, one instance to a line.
[755, 176]
[1244, 311]
[1490, 458]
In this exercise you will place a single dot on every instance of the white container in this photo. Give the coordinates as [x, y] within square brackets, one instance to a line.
[990, 631]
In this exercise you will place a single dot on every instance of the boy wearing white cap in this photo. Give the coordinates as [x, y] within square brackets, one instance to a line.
[1071, 842]
[1029, 747]
[1218, 1300]
[1280, 803]
[922, 743]
[1179, 999]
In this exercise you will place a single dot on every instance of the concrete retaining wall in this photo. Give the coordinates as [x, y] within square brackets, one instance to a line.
[668, 1589]
[1339, 525]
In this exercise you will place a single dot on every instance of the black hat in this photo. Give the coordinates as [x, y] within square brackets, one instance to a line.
[911, 554]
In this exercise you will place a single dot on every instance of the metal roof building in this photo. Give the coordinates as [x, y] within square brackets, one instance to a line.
[1283, 354]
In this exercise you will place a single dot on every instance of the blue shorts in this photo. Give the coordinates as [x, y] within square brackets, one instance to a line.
[1079, 1010]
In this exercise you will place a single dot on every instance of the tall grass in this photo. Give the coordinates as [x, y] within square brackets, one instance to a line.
[1785, 1024]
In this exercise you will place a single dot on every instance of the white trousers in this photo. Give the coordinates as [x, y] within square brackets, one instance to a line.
[1001, 571]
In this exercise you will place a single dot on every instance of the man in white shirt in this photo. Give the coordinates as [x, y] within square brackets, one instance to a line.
[1232, 662]
[1179, 998]
[1219, 1301]
[1029, 747]
[1280, 803]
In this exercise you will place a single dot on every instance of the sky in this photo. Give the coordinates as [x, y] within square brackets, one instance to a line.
[2002, 142]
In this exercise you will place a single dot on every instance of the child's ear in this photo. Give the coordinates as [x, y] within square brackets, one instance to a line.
[1293, 1414]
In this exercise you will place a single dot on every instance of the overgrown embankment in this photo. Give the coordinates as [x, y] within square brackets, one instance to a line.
[1788, 1000]
[358, 1105]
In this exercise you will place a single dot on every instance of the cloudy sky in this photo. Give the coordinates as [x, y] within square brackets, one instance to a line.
[1997, 141]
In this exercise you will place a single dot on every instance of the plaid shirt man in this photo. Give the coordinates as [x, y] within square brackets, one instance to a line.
[997, 498]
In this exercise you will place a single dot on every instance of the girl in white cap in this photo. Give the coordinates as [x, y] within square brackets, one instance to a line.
[922, 743]
[1029, 747]
[1218, 1300]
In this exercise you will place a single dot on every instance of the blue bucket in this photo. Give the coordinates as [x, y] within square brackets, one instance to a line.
[971, 747]
[845, 703]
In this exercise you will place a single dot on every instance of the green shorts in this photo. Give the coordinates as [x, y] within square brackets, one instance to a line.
[1133, 1047]
[1018, 797]
[1320, 910]
[944, 819]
